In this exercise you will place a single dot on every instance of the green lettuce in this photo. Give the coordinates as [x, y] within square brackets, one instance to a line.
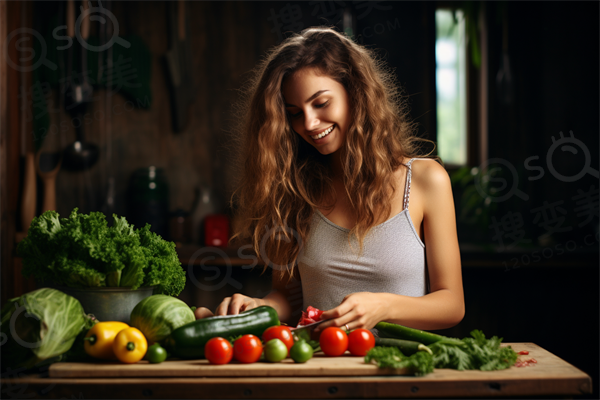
[84, 251]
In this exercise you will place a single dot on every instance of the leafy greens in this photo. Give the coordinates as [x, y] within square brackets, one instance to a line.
[41, 326]
[420, 363]
[474, 353]
[83, 251]
[471, 353]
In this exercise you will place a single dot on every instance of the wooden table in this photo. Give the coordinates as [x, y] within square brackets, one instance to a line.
[550, 377]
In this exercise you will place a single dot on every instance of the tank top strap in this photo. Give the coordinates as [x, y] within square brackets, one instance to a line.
[408, 179]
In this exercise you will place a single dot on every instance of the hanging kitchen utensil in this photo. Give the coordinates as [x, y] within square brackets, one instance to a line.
[105, 127]
[47, 166]
[80, 155]
[178, 60]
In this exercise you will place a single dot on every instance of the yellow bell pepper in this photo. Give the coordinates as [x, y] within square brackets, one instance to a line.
[130, 345]
[99, 339]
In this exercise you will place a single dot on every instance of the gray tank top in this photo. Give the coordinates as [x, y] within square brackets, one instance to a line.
[393, 259]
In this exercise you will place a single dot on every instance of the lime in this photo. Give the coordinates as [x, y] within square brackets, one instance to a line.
[156, 354]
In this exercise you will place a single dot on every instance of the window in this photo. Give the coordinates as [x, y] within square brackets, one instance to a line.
[451, 87]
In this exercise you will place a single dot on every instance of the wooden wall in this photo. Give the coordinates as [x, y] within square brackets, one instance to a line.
[227, 40]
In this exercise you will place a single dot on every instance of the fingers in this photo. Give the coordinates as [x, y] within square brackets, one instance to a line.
[222, 309]
[249, 305]
[340, 322]
[341, 315]
[235, 304]
[344, 308]
[238, 303]
[202, 312]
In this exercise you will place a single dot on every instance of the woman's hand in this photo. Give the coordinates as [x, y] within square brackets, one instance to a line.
[357, 310]
[238, 303]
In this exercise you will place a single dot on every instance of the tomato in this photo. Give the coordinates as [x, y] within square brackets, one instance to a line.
[301, 351]
[314, 313]
[156, 354]
[281, 332]
[247, 349]
[275, 350]
[310, 315]
[333, 341]
[218, 351]
[360, 341]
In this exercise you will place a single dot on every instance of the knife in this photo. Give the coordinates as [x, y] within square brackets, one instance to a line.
[305, 332]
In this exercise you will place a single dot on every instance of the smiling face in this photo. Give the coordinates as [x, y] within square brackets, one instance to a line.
[318, 108]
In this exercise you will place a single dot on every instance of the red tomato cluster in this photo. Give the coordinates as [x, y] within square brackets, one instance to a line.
[335, 341]
[246, 349]
[249, 348]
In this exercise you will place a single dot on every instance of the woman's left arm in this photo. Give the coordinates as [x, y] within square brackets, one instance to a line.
[444, 306]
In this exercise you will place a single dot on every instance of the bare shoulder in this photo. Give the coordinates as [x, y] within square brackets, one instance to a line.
[429, 174]
[433, 182]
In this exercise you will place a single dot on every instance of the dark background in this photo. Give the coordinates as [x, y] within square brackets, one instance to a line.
[544, 289]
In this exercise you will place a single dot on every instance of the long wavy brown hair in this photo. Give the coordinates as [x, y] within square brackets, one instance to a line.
[283, 179]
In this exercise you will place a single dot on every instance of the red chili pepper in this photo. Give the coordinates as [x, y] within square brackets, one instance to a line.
[523, 352]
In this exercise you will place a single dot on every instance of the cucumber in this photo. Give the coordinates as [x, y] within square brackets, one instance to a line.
[387, 329]
[188, 341]
[407, 347]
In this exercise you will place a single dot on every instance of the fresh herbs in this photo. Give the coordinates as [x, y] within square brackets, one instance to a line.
[420, 363]
[475, 353]
[83, 251]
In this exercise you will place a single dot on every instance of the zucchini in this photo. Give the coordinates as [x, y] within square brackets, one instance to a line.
[389, 330]
[407, 347]
[188, 341]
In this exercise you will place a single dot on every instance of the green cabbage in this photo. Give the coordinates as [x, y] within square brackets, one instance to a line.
[158, 315]
[40, 325]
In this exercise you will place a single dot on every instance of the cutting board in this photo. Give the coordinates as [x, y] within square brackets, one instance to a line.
[319, 365]
[548, 366]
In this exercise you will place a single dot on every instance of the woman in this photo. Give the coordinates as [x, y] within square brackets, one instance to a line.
[329, 166]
